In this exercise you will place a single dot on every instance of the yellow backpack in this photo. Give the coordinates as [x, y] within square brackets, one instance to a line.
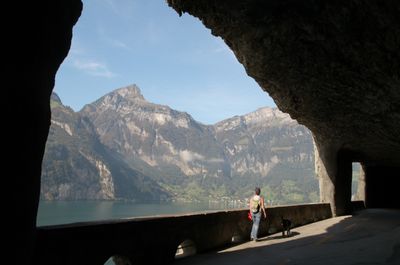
[255, 203]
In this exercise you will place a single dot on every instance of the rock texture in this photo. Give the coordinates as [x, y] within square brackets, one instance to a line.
[124, 147]
[256, 142]
[163, 138]
[196, 161]
[332, 65]
[77, 166]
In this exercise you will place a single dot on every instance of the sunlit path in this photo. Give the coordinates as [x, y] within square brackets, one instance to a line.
[368, 237]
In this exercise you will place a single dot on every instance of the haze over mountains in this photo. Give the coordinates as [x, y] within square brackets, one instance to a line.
[124, 147]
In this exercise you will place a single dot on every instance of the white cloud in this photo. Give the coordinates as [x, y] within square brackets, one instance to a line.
[93, 68]
[108, 37]
[119, 44]
[188, 156]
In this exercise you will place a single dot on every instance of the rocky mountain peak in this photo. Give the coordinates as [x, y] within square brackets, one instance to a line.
[153, 142]
[265, 115]
[121, 99]
[131, 92]
[261, 118]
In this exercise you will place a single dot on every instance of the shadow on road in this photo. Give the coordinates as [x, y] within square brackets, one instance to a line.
[368, 237]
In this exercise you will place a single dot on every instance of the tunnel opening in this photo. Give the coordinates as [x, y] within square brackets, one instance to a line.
[74, 169]
[223, 176]
[355, 180]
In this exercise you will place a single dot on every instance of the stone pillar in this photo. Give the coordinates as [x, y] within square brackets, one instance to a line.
[334, 170]
[381, 189]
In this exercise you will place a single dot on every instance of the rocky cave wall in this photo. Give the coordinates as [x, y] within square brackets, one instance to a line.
[36, 39]
[334, 67]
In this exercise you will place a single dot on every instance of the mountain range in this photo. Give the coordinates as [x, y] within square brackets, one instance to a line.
[123, 147]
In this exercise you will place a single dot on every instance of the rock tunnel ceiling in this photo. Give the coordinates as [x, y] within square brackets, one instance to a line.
[332, 65]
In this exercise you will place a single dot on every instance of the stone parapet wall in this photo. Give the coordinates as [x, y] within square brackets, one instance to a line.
[298, 214]
[155, 240]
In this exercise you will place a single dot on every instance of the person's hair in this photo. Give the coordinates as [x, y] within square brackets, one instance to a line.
[258, 190]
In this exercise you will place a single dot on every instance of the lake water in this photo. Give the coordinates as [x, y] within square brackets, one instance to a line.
[64, 212]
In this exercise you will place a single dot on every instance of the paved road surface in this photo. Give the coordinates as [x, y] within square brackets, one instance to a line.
[368, 237]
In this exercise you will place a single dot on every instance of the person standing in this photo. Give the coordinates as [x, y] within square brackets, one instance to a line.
[256, 207]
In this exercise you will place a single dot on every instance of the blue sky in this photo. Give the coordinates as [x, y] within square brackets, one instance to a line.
[174, 60]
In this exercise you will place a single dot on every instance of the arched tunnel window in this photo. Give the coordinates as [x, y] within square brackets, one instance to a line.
[195, 131]
[237, 238]
[185, 249]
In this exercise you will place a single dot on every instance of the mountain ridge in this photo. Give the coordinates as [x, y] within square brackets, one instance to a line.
[77, 165]
[192, 161]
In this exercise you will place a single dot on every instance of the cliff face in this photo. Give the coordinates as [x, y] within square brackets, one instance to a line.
[163, 138]
[269, 149]
[193, 160]
[124, 147]
[257, 142]
[77, 166]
